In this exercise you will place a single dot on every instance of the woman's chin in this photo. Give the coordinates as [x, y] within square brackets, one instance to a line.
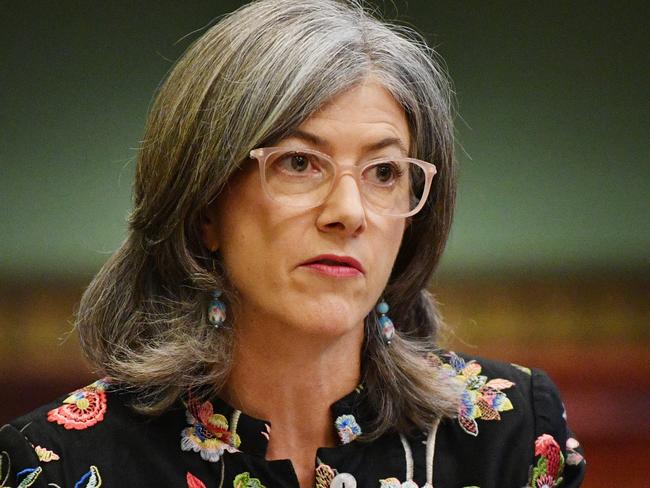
[330, 326]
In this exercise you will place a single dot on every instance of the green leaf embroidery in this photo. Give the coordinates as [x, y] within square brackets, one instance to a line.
[244, 480]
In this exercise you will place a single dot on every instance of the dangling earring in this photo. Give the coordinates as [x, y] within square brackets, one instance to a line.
[386, 327]
[216, 308]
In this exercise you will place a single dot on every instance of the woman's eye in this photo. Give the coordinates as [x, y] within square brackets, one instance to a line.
[296, 163]
[386, 173]
[299, 163]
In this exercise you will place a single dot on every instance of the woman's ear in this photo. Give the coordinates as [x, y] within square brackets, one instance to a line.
[209, 230]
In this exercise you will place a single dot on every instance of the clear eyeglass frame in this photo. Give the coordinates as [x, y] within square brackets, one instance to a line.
[262, 155]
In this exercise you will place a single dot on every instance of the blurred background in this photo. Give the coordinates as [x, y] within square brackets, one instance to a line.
[548, 262]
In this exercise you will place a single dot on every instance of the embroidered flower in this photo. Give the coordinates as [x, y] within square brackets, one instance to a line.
[45, 455]
[324, 476]
[244, 480]
[395, 483]
[208, 433]
[348, 428]
[83, 408]
[481, 398]
[573, 457]
[550, 465]
[193, 481]
[390, 483]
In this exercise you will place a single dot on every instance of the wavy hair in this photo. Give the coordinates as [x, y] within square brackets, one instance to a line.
[246, 82]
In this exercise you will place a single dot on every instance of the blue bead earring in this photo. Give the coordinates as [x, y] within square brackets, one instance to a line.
[386, 327]
[216, 310]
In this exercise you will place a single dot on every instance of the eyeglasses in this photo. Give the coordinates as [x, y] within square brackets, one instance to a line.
[305, 178]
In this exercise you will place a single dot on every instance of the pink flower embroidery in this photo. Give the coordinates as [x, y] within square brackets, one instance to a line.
[573, 457]
[83, 408]
[545, 481]
[546, 446]
[550, 465]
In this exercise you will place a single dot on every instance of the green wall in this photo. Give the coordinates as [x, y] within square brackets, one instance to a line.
[553, 128]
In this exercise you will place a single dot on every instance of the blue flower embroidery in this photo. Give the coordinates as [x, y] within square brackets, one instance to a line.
[348, 428]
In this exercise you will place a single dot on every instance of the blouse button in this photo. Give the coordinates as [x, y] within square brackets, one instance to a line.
[344, 480]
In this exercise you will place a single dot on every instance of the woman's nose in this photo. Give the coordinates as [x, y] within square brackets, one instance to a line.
[343, 211]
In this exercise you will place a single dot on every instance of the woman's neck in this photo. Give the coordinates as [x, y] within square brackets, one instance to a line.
[291, 379]
[282, 375]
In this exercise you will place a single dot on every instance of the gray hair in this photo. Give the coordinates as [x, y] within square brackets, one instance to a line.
[248, 81]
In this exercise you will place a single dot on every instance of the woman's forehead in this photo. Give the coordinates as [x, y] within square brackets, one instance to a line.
[366, 114]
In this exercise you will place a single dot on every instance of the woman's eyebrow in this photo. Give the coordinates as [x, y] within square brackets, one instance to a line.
[375, 146]
[387, 142]
[308, 136]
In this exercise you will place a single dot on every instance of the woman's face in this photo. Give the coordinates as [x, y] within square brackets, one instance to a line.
[266, 245]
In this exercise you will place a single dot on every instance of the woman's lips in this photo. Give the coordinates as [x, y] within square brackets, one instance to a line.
[337, 271]
[335, 266]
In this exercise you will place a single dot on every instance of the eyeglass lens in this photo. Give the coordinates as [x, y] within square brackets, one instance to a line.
[389, 186]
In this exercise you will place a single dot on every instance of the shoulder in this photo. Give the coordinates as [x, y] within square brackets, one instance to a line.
[491, 392]
[516, 411]
[75, 439]
[33, 445]
[80, 414]
[532, 388]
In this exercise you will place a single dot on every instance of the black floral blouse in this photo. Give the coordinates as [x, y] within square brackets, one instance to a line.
[510, 431]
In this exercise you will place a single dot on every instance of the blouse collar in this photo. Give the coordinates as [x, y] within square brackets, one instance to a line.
[247, 434]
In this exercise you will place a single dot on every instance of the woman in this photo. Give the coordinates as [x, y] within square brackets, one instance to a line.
[293, 195]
